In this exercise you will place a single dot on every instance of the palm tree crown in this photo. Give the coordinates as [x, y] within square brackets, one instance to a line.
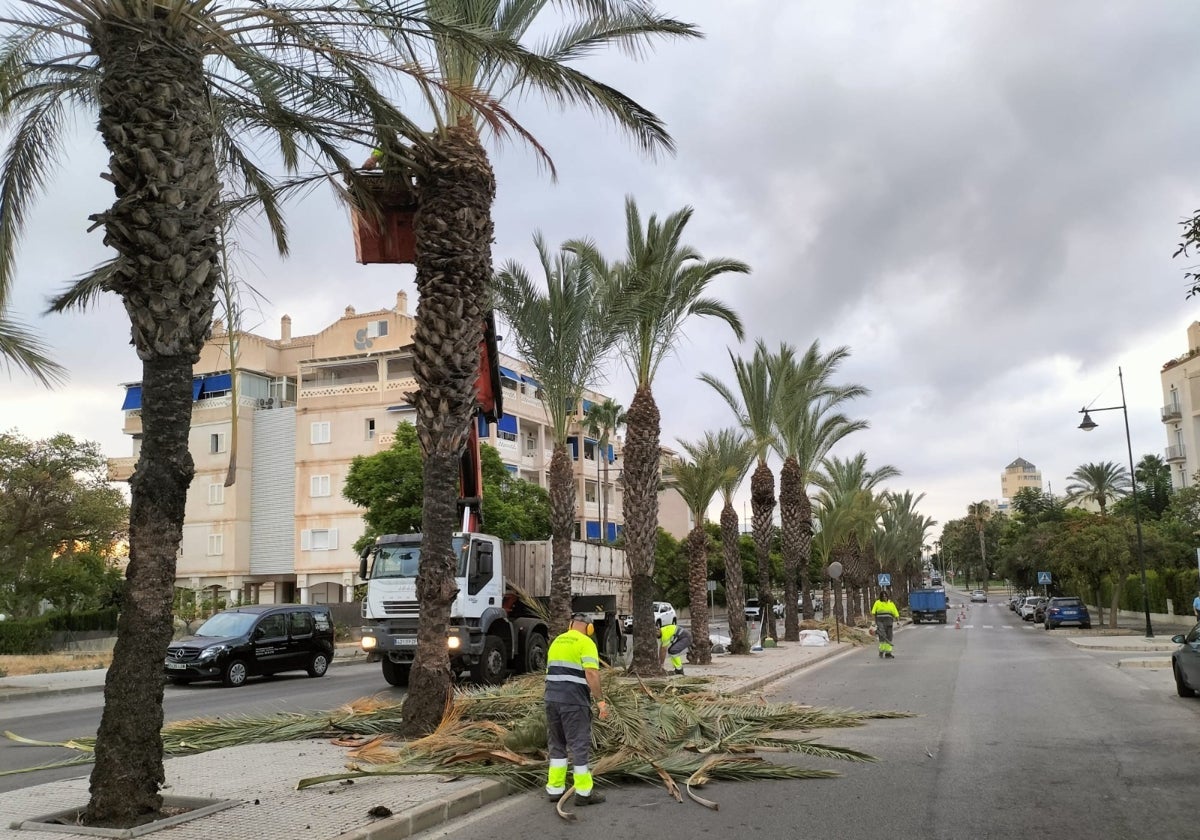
[1098, 483]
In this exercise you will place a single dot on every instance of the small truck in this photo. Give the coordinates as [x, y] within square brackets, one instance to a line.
[928, 605]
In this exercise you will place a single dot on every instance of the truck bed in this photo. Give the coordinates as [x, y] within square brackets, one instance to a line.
[595, 570]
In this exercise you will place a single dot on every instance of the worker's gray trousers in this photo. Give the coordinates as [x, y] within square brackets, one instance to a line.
[569, 728]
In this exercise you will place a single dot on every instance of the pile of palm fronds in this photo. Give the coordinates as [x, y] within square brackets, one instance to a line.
[658, 730]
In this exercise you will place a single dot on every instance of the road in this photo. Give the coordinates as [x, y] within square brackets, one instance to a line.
[76, 715]
[1019, 733]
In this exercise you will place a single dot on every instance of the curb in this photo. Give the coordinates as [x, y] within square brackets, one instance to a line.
[433, 813]
[1161, 662]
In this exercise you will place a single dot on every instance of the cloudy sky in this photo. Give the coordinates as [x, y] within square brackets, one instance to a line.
[981, 200]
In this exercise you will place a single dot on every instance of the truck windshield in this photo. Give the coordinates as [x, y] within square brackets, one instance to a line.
[403, 561]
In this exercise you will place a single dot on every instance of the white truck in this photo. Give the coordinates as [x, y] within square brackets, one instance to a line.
[491, 631]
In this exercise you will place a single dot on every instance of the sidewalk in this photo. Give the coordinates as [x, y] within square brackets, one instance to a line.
[261, 778]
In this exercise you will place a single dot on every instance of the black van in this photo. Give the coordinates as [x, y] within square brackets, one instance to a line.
[244, 641]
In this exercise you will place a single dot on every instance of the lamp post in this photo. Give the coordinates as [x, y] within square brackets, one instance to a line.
[1087, 425]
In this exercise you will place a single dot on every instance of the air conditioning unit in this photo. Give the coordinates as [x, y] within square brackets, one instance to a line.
[260, 403]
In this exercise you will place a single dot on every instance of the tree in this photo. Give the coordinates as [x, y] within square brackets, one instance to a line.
[734, 455]
[454, 187]
[807, 425]
[388, 485]
[697, 482]
[754, 406]
[601, 422]
[22, 350]
[649, 295]
[561, 335]
[1098, 483]
[979, 513]
[184, 92]
[61, 524]
[1154, 484]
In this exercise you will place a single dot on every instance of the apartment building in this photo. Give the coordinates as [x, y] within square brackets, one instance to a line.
[1017, 476]
[281, 530]
[1181, 410]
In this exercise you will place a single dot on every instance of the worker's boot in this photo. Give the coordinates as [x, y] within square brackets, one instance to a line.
[679, 672]
[594, 798]
[888, 655]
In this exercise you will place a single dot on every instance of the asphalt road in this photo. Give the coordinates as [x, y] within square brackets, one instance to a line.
[76, 715]
[1019, 733]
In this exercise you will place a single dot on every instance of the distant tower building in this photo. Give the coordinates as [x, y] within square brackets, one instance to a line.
[1017, 476]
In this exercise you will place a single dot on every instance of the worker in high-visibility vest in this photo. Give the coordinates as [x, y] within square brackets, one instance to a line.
[886, 614]
[674, 640]
[572, 682]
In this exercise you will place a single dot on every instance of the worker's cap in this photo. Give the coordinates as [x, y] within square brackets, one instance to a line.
[579, 617]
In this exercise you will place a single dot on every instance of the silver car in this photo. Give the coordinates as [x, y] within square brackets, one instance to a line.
[1185, 663]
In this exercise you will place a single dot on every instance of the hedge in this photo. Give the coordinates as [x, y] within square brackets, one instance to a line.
[31, 636]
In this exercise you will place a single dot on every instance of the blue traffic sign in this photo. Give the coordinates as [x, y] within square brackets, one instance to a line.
[885, 580]
[1043, 578]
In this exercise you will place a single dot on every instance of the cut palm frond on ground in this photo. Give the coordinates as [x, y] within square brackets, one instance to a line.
[676, 733]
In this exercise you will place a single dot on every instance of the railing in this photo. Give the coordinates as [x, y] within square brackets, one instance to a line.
[338, 390]
[121, 469]
[1176, 453]
[1171, 412]
[384, 441]
[408, 384]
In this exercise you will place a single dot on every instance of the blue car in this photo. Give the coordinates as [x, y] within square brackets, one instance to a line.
[1066, 611]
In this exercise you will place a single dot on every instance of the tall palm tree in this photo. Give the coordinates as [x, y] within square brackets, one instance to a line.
[184, 92]
[754, 405]
[561, 335]
[601, 422]
[1099, 483]
[901, 537]
[806, 427]
[650, 294]
[697, 481]
[454, 187]
[978, 513]
[734, 455]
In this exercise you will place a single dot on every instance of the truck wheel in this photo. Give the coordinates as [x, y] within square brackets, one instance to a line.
[916, 619]
[535, 654]
[610, 644]
[492, 664]
[395, 673]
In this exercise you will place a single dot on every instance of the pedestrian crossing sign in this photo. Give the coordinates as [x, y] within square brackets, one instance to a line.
[885, 580]
[1043, 578]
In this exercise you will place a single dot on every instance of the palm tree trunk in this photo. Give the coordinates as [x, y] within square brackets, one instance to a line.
[453, 233]
[762, 505]
[697, 552]
[641, 523]
[604, 492]
[562, 520]
[806, 535]
[791, 527]
[155, 121]
[735, 594]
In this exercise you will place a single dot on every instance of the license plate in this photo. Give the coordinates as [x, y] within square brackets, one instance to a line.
[404, 641]
[177, 665]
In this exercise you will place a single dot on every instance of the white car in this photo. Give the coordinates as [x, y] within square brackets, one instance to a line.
[664, 613]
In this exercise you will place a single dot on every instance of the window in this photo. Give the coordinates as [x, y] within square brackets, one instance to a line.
[530, 445]
[319, 539]
[216, 544]
[301, 623]
[376, 329]
[589, 491]
[319, 486]
[370, 428]
[575, 534]
[272, 626]
[320, 433]
[503, 435]
[216, 443]
[589, 450]
[216, 493]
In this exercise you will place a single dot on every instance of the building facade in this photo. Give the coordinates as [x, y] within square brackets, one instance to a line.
[1018, 475]
[1181, 410]
[265, 519]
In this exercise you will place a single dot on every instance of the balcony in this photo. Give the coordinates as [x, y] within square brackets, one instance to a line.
[1176, 453]
[1171, 412]
[121, 469]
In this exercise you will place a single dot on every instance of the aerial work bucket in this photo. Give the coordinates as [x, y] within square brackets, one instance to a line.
[384, 235]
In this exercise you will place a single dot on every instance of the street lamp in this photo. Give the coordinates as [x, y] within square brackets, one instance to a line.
[1087, 425]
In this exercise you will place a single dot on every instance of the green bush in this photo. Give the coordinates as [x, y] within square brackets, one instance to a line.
[104, 618]
[24, 636]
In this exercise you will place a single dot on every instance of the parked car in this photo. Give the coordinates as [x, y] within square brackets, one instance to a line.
[1185, 663]
[753, 611]
[246, 641]
[664, 613]
[1029, 607]
[1065, 610]
[979, 596]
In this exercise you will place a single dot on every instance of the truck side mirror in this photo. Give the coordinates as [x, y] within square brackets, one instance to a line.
[362, 565]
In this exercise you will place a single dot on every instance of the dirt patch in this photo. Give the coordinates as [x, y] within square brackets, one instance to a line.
[53, 663]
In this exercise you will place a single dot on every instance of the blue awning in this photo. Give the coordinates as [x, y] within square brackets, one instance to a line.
[483, 426]
[574, 444]
[611, 457]
[508, 373]
[512, 468]
[529, 380]
[592, 441]
[593, 530]
[507, 423]
[218, 383]
[197, 387]
[400, 408]
[587, 406]
[133, 398]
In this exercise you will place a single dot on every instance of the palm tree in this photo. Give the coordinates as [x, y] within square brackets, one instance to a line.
[1098, 483]
[22, 350]
[454, 187]
[561, 336]
[1154, 483]
[697, 481]
[978, 513]
[734, 455]
[601, 422]
[806, 427]
[649, 295]
[754, 406]
[184, 93]
[901, 536]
